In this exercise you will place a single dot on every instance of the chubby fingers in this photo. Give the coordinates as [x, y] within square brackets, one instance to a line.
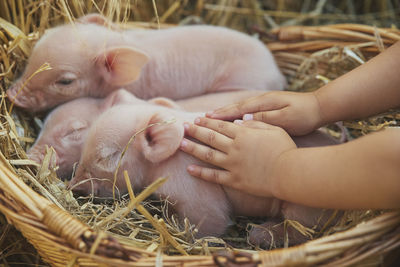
[209, 174]
[233, 111]
[257, 124]
[204, 153]
[225, 128]
[217, 135]
[273, 116]
[254, 104]
[208, 136]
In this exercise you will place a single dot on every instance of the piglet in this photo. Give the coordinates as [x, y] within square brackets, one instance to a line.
[155, 153]
[65, 128]
[88, 58]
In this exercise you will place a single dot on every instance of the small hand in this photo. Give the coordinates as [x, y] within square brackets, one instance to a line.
[297, 113]
[248, 153]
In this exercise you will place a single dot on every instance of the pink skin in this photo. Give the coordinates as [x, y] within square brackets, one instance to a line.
[91, 59]
[155, 153]
[65, 128]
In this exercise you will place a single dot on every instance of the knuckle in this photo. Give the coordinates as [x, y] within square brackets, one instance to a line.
[221, 125]
[211, 137]
[234, 160]
[210, 155]
[190, 147]
[225, 161]
[240, 105]
[202, 121]
[202, 173]
[264, 116]
[192, 129]
[215, 175]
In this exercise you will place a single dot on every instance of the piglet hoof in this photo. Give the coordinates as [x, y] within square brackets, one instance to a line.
[272, 235]
[267, 235]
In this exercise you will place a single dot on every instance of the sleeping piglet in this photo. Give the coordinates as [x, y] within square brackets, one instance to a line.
[90, 59]
[65, 128]
[155, 153]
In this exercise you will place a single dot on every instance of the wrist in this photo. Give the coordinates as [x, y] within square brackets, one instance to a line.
[321, 120]
[277, 179]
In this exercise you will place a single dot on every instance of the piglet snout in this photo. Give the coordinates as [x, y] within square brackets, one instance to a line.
[83, 184]
[12, 92]
[25, 98]
[36, 155]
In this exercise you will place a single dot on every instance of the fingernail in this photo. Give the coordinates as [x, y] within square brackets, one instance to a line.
[209, 113]
[190, 168]
[197, 120]
[238, 121]
[186, 126]
[183, 143]
[248, 117]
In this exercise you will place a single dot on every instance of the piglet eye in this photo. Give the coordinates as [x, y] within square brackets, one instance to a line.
[64, 81]
[108, 158]
[74, 135]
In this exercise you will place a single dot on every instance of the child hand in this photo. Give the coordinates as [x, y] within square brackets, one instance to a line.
[297, 113]
[248, 154]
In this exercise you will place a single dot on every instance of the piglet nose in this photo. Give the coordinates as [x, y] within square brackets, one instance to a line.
[36, 155]
[80, 175]
[16, 86]
[73, 184]
[25, 97]
[25, 100]
[82, 186]
[12, 92]
[18, 97]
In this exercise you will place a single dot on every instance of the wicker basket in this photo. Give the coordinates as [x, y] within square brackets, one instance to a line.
[62, 240]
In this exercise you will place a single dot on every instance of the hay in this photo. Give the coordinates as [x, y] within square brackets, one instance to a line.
[308, 56]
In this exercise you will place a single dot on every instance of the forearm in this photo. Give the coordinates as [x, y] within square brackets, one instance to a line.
[371, 88]
[364, 173]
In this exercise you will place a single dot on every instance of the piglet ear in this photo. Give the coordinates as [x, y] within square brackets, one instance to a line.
[159, 142]
[121, 65]
[94, 18]
[98, 19]
[118, 97]
[165, 102]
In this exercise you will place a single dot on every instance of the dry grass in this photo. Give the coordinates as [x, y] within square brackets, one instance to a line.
[305, 55]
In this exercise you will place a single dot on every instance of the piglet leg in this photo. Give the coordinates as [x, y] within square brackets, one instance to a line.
[272, 234]
[204, 204]
[298, 219]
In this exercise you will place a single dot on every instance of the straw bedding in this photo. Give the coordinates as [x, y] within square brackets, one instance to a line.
[69, 231]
